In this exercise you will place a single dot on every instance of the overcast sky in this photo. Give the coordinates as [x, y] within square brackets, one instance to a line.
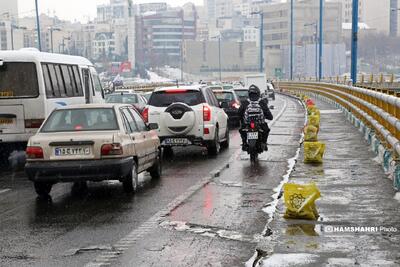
[79, 9]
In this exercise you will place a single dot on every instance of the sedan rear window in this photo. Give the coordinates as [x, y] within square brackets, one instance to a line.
[166, 98]
[18, 80]
[242, 94]
[122, 98]
[72, 120]
[224, 96]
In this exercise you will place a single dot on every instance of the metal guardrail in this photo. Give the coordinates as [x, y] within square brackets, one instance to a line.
[144, 87]
[386, 82]
[377, 110]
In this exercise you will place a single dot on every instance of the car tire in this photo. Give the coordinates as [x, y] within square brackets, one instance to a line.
[79, 188]
[214, 147]
[43, 189]
[225, 144]
[168, 152]
[156, 169]
[130, 183]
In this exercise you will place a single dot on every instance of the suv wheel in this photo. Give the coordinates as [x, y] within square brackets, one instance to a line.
[214, 147]
[156, 169]
[43, 189]
[225, 144]
[130, 182]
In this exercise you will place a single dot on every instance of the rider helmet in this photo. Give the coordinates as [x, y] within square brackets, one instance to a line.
[254, 93]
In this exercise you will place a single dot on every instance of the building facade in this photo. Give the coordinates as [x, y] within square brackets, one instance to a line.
[160, 35]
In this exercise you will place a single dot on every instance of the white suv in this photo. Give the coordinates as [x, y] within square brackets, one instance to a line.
[189, 115]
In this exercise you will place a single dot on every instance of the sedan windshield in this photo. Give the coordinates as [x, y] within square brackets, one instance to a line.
[122, 98]
[71, 120]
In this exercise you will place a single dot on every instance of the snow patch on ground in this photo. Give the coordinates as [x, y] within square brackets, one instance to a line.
[397, 196]
[286, 260]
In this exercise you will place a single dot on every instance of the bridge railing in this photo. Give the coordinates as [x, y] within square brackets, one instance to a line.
[379, 111]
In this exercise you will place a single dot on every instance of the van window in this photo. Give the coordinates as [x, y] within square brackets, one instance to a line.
[61, 80]
[18, 80]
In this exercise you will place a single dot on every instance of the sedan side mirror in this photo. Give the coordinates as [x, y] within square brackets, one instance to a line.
[224, 104]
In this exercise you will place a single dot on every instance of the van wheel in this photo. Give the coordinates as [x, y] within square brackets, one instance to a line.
[225, 144]
[130, 183]
[214, 147]
[43, 189]
[156, 169]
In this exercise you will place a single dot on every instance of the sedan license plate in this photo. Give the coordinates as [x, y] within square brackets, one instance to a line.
[252, 136]
[176, 141]
[72, 151]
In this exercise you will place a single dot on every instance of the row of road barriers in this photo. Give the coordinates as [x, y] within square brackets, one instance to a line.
[376, 114]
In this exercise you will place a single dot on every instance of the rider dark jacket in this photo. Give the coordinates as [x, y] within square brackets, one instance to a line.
[264, 105]
[254, 95]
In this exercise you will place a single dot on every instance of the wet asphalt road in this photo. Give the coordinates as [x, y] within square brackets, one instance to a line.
[72, 230]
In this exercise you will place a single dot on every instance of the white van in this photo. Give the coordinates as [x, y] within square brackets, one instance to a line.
[33, 83]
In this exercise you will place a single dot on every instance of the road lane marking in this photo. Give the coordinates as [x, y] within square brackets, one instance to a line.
[5, 190]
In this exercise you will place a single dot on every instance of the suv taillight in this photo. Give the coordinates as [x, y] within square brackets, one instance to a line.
[34, 152]
[33, 123]
[206, 113]
[145, 115]
[111, 149]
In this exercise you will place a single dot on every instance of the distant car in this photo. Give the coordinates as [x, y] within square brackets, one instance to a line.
[216, 87]
[189, 115]
[242, 93]
[147, 96]
[133, 99]
[227, 86]
[270, 91]
[92, 142]
[231, 104]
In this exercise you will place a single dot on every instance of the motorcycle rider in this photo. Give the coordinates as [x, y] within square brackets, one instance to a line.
[255, 95]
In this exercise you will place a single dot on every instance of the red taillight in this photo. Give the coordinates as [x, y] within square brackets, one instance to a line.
[235, 104]
[111, 149]
[34, 152]
[206, 113]
[252, 125]
[206, 131]
[33, 123]
[145, 115]
[175, 91]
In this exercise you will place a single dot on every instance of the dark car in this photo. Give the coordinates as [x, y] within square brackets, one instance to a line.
[230, 103]
[134, 99]
[242, 93]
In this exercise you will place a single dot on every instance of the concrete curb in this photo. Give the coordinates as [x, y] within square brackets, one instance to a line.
[390, 165]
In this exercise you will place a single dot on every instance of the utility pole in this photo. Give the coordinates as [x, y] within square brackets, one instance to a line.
[316, 46]
[291, 39]
[354, 42]
[182, 62]
[38, 26]
[261, 38]
[321, 37]
[219, 57]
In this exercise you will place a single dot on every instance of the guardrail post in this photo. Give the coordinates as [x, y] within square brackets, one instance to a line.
[381, 79]
[392, 78]
[371, 79]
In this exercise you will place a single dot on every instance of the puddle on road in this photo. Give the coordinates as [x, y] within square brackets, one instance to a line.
[302, 229]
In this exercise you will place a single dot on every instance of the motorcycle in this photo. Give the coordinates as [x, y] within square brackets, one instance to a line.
[255, 145]
[254, 117]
